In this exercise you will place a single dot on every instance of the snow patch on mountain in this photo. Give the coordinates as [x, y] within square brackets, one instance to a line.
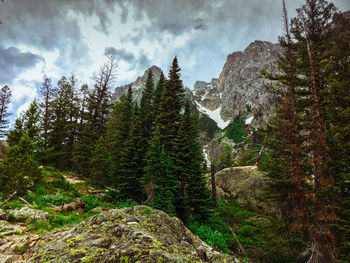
[214, 115]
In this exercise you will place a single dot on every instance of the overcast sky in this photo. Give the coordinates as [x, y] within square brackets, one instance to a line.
[60, 37]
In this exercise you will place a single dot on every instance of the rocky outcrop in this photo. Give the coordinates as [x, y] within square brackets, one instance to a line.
[138, 234]
[241, 90]
[247, 185]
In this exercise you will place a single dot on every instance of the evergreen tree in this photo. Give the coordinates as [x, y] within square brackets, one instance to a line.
[192, 193]
[99, 105]
[170, 107]
[159, 172]
[157, 95]
[336, 97]
[119, 128]
[100, 163]
[5, 99]
[146, 119]
[130, 172]
[312, 28]
[285, 140]
[94, 112]
[16, 133]
[27, 123]
[64, 124]
[164, 185]
[31, 125]
[20, 168]
[47, 92]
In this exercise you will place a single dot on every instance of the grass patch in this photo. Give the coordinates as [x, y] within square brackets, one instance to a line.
[93, 201]
[13, 204]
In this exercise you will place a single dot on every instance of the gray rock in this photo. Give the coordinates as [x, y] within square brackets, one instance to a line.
[247, 185]
[28, 214]
[107, 237]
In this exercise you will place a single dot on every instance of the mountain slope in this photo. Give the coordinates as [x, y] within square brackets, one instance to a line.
[240, 90]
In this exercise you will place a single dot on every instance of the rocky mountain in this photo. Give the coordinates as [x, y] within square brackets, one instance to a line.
[138, 85]
[240, 90]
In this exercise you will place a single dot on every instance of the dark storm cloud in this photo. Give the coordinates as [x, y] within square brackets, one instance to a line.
[13, 61]
[140, 62]
[120, 54]
[49, 25]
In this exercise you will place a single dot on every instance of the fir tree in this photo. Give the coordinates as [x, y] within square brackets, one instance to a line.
[157, 95]
[170, 107]
[192, 193]
[336, 97]
[47, 92]
[31, 119]
[100, 163]
[164, 184]
[16, 133]
[311, 29]
[285, 141]
[20, 168]
[130, 172]
[118, 129]
[159, 173]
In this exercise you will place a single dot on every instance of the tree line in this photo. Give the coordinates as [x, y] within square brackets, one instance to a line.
[148, 152]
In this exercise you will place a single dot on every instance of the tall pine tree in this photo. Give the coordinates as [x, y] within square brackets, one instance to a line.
[171, 103]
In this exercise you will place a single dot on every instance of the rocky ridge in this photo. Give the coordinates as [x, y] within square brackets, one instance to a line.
[241, 90]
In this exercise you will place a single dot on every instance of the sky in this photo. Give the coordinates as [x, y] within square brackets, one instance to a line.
[61, 37]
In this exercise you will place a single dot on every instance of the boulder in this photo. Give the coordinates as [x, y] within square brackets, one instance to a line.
[248, 186]
[28, 214]
[137, 234]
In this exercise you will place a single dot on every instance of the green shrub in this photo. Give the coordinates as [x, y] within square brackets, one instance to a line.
[50, 168]
[13, 204]
[64, 185]
[208, 234]
[236, 132]
[43, 200]
[127, 203]
[93, 201]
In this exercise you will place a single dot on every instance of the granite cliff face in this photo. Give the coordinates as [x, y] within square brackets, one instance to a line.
[241, 90]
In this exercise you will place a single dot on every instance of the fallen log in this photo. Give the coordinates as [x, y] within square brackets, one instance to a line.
[24, 201]
[73, 206]
[241, 249]
[96, 192]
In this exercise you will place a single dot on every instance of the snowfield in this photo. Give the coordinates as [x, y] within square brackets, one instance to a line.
[214, 115]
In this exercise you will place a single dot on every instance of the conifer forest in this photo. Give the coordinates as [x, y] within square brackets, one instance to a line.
[253, 166]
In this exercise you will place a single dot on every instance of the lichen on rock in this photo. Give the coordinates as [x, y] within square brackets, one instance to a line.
[137, 234]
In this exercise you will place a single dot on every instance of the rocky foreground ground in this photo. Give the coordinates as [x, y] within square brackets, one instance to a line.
[137, 234]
